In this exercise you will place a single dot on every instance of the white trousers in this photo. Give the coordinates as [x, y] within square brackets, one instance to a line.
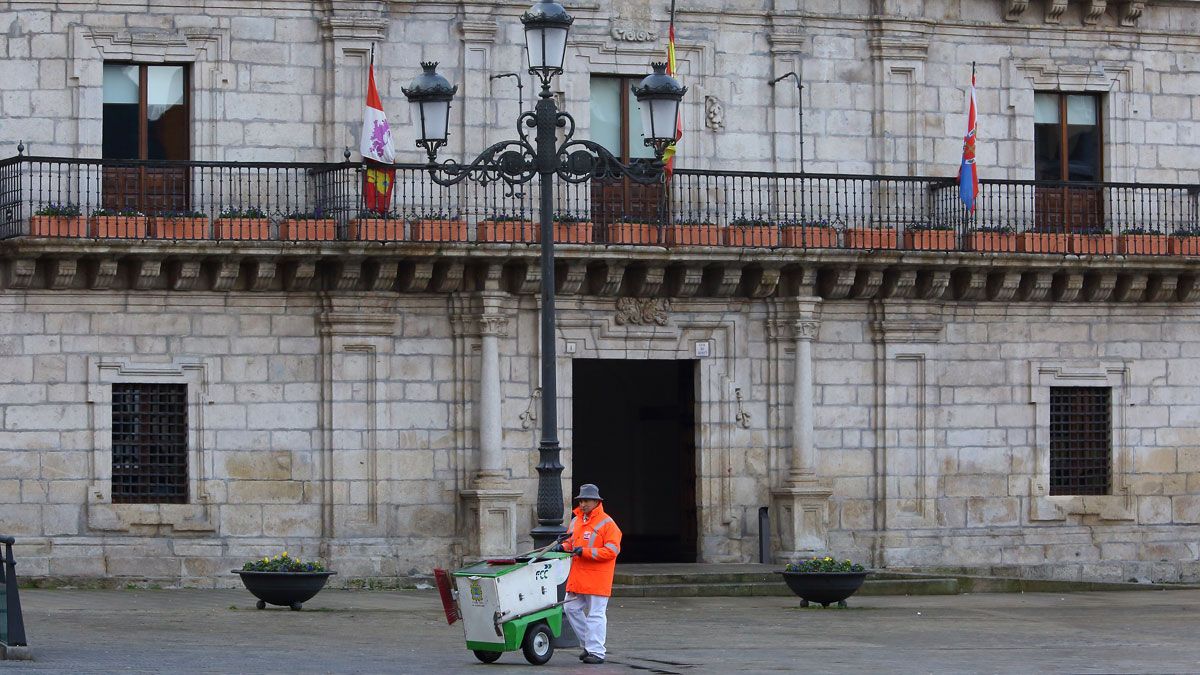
[588, 615]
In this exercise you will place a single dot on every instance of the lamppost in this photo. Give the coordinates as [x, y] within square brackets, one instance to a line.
[517, 161]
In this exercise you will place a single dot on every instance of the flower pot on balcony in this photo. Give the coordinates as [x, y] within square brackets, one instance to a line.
[58, 226]
[1184, 245]
[929, 240]
[808, 236]
[693, 234]
[308, 229]
[1093, 244]
[870, 237]
[632, 233]
[376, 229]
[571, 233]
[1143, 244]
[120, 227]
[438, 229]
[993, 242]
[257, 229]
[1043, 242]
[751, 235]
[512, 231]
[180, 228]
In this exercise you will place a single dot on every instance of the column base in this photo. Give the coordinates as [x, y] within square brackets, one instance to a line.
[491, 522]
[800, 516]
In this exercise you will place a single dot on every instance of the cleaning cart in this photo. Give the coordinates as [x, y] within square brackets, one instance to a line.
[507, 604]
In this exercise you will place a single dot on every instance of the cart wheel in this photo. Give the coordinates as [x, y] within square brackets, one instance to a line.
[296, 606]
[804, 603]
[261, 604]
[538, 646]
[486, 656]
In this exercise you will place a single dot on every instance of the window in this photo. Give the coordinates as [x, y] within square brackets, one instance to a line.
[617, 125]
[149, 443]
[1080, 440]
[1068, 143]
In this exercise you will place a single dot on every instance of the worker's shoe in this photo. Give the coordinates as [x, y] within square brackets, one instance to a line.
[584, 654]
[592, 658]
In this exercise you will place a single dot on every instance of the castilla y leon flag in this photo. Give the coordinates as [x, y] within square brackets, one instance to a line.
[968, 174]
[669, 155]
[376, 148]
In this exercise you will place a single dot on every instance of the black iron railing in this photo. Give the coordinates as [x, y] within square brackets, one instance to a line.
[43, 196]
[12, 623]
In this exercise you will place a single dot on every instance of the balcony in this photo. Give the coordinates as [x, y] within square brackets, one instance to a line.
[829, 229]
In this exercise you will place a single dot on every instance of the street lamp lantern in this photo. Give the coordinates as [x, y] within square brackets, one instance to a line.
[546, 27]
[430, 94]
[659, 95]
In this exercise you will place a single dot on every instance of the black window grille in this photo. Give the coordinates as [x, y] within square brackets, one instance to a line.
[149, 443]
[1080, 440]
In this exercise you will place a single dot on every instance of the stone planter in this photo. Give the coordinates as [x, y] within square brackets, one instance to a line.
[1043, 242]
[180, 228]
[1184, 245]
[641, 234]
[120, 227]
[284, 589]
[824, 588]
[375, 229]
[693, 234]
[929, 240]
[308, 229]
[1143, 244]
[438, 230]
[507, 231]
[257, 229]
[870, 237]
[995, 242]
[1093, 244]
[58, 226]
[751, 235]
[802, 236]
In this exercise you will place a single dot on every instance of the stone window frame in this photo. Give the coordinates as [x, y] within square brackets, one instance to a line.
[1118, 504]
[194, 515]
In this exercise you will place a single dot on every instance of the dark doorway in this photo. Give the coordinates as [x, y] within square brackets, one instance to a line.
[635, 438]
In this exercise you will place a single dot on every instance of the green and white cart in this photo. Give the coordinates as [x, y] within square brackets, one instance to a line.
[508, 604]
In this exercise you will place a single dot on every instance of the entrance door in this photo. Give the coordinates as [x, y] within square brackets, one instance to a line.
[635, 437]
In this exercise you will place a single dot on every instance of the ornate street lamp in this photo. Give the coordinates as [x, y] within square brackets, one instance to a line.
[517, 161]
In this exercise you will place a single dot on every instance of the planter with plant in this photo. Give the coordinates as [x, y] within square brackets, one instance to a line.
[58, 220]
[1185, 241]
[374, 226]
[870, 237]
[251, 223]
[120, 224]
[437, 227]
[635, 232]
[507, 228]
[824, 581]
[283, 580]
[180, 225]
[1142, 241]
[569, 229]
[992, 238]
[807, 234]
[692, 233]
[1043, 241]
[930, 237]
[1097, 241]
[754, 232]
[308, 226]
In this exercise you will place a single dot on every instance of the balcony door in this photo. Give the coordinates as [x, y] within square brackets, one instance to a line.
[1068, 144]
[617, 125]
[146, 116]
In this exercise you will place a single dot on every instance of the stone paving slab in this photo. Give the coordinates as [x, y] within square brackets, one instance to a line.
[218, 631]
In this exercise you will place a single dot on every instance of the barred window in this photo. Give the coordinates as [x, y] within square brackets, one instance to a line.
[1080, 440]
[149, 443]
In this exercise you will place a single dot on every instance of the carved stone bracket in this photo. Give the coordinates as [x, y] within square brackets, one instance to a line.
[969, 284]
[299, 276]
[104, 274]
[571, 281]
[1099, 287]
[652, 281]
[385, 275]
[866, 283]
[1003, 286]
[1131, 11]
[62, 272]
[531, 283]
[608, 282]
[347, 275]
[1161, 287]
[932, 285]
[1014, 9]
[1130, 287]
[898, 284]
[767, 283]
[262, 274]
[187, 275]
[1035, 286]
[835, 283]
[1066, 286]
[20, 272]
[643, 311]
[1095, 10]
[1188, 290]
[1054, 10]
[225, 274]
[723, 280]
[447, 277]
[688, 281]
[418, 277]
[146, 273]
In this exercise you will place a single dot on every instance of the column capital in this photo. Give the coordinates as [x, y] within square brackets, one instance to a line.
[493, 324]
[805, 329]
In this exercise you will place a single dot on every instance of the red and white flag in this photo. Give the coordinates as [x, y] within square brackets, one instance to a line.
[376, 146]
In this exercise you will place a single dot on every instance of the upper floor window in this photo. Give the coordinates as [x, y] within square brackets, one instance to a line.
[1080, 440]
[145, 112]
[1067, 136]
[149, 443]
[616, 122]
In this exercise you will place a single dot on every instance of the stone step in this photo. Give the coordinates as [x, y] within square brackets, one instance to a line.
[934, 586]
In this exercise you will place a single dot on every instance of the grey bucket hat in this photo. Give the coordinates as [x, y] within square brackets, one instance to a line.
[589, 491]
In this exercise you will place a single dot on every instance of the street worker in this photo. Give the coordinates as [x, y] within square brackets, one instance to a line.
[594, 540]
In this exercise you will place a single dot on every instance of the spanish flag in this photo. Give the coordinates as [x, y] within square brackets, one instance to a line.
[669, 155]
[377, 150]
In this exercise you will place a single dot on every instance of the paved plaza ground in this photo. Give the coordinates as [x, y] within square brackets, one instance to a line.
[404, 632]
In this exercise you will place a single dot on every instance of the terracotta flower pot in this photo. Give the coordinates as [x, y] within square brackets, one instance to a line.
[930, 240]
[120, 227]
[571, 233]
[805, 236]
[58, 226]
[1043, 242]
[308, 229]
[693, 234]
[376, 229]
[515, 231]
[751, 235]
[633, 233]
[438, 230]
[870, 237]
[258, 229]
[1143, 244]
[1093, 244]
[180, 228]
[996, 242]
[1184, 245]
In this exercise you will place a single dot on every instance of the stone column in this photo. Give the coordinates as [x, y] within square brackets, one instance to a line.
[801, 505]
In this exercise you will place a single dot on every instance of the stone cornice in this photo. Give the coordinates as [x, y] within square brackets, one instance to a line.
[616, 271]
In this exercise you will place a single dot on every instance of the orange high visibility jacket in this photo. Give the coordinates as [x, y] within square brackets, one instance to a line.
[600, 540]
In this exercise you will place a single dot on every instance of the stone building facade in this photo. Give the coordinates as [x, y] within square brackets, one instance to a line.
[375, 404]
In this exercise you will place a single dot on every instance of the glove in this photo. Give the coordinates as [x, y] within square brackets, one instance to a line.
[577, 552]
